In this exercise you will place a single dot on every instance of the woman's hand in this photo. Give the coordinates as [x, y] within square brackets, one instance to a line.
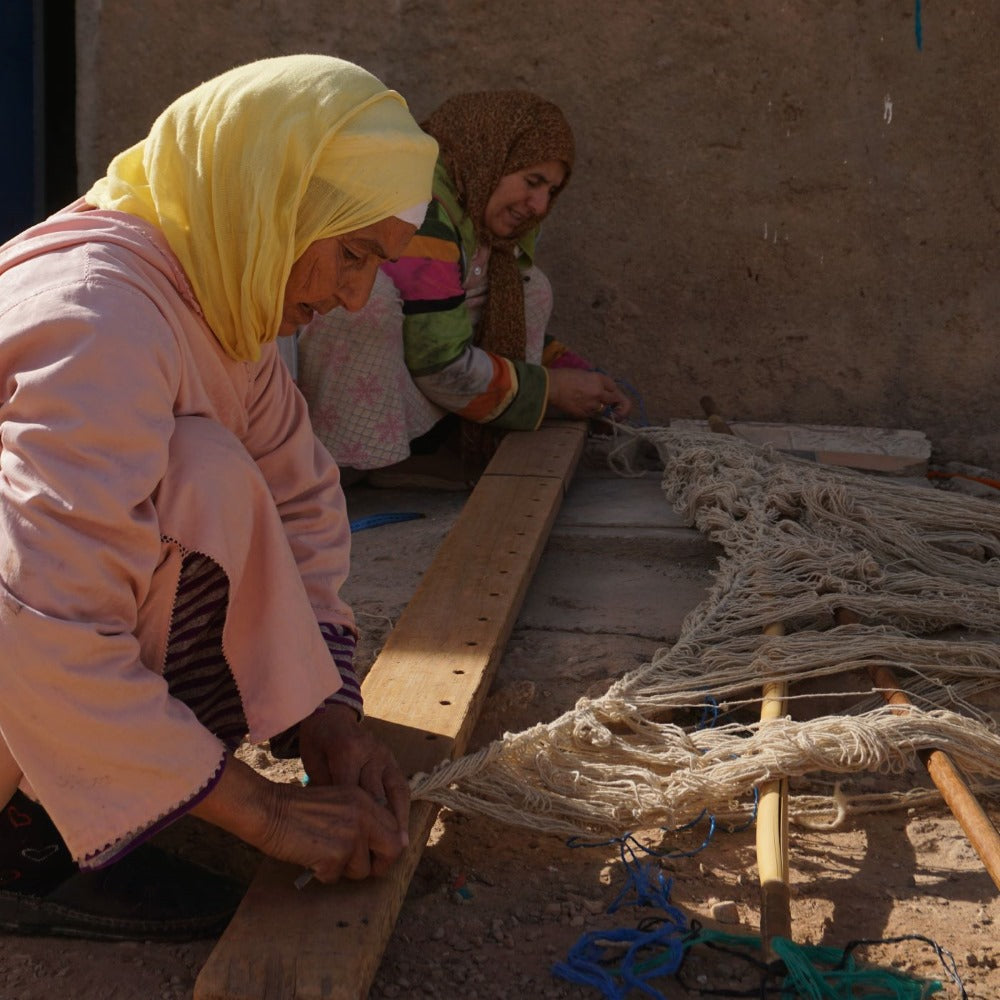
[582, 394]
[336, 831]
[336, 749]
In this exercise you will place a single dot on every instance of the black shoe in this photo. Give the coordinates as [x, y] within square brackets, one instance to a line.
[148, 895]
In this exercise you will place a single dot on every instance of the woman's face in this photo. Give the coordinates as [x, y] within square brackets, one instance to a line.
[523, 197]
[340, 271]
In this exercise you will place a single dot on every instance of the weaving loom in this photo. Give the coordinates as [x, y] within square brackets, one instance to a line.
[801, 543]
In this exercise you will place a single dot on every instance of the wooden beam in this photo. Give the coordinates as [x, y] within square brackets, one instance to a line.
[422, 697]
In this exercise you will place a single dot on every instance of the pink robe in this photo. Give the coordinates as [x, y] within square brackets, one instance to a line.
[104, 354]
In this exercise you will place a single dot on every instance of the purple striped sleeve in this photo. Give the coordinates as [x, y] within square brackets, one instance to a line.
[341, 644]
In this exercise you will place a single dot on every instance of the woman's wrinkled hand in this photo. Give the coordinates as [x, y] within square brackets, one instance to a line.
[350, 822]
[584, 395]
[335, 831]
[337, 749]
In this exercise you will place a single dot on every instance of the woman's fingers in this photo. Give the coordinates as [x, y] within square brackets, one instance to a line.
[397, 790]
[375, 852]
[344, 833]
[382, 778]
[585, 394]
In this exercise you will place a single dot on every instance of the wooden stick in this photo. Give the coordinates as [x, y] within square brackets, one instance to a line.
[772, 805]
[772, 831]
[715, 421]
[954, 789]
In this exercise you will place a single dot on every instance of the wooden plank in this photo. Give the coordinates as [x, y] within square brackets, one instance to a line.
[894, 465]
[897, 452]
[542, 453]
[422, 696]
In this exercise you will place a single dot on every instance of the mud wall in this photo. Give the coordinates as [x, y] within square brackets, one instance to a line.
[793, 206]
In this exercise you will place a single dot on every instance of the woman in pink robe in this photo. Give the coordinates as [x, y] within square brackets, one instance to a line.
[172, 537]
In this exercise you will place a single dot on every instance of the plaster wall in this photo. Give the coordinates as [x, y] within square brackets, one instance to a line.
[793, 206]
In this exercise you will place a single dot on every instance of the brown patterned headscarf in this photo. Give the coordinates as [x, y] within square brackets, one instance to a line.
[483, 137]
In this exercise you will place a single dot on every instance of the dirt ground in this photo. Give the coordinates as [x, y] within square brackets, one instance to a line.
[493, 909]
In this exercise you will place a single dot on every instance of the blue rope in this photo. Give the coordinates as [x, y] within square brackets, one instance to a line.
[375, 520]
[587, 962]
[918, 27]
[590, 964]
[659, 945]
[710, 713]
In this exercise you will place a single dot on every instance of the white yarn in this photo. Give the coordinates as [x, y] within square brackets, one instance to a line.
[801, 541]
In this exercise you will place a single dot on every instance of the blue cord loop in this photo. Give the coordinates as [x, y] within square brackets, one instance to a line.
[376, 520]
[592, 963]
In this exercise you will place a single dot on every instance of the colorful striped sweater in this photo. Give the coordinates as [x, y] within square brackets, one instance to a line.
[438, 331]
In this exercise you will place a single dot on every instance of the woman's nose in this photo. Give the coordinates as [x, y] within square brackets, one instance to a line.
[539, 202]
[355, 292]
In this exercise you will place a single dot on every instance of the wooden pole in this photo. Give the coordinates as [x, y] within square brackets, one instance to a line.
[772, 805]
[716, 422]
[965, 807]
[772, 831]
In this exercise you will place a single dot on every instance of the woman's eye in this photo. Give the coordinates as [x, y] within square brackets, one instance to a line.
[349, 254]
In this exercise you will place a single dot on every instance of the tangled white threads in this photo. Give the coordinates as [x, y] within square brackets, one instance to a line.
[801, 541]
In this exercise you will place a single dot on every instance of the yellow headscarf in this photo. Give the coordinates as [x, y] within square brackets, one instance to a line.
[244, 172]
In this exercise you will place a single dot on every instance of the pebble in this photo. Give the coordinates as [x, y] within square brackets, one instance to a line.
[726, 912]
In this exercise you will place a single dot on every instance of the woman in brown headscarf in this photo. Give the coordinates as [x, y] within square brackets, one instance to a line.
[471, 304]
